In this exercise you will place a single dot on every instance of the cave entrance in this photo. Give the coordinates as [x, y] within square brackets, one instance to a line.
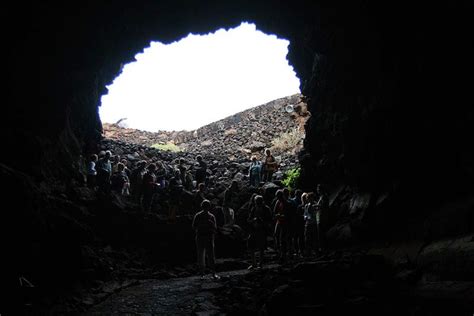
[200, 79]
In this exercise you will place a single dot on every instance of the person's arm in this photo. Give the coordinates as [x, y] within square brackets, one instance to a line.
[275, 215]
[214, 223]
[306, 213]
[226, 198]
[193, 225]
[251, 215]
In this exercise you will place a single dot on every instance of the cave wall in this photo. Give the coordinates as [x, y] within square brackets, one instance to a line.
[387, 85]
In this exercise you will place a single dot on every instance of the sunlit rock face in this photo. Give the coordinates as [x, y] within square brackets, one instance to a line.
[388, 88]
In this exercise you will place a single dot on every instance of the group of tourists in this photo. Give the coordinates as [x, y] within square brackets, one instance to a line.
[296, 220]
[262, 171]
[298, 223]
[146, 180]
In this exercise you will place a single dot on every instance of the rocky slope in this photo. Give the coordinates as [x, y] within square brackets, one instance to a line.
[278, 125]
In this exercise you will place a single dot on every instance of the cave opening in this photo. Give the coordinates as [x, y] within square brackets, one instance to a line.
[393, 245]
[200, 79]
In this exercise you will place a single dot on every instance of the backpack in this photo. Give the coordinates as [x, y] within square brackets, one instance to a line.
[255, 168]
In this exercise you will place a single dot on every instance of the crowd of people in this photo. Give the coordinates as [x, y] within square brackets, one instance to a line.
[297, 221]
[144, 181]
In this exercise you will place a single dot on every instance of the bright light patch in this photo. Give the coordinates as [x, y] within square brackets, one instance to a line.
[200, 79]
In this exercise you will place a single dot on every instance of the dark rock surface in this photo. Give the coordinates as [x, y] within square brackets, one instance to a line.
[335, 284]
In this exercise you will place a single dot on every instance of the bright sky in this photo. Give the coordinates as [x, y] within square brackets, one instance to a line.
[200, 79]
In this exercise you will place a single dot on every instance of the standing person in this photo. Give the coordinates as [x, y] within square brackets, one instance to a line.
[259, 217]
[91, 171]
[182, 170]
[201, 171]
[176, 189]
[298, 228]
[269, 166]
[160, 173]
[149, 187]
[115, 163]
[136, 180]
[322, 206]
[126, 169]
[255, 170]
[104, 172]
[199, 195]
[230, 202]
[119, 181]
[281, 226]
[204, 225]
[290, 213]
[311, 227]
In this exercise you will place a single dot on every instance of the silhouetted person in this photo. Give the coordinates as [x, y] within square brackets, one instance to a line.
[119, 181]
[298, 226]
[126, 169]
[255, 171]
[115, 163]
[160, 173]
[201, 171]
[269, 166]
[311, 227]
[149, 187]
[204, 224]
[176, 190]
[322, 206]
[104, 172]
[259, 217]
[199, 195]
[91, 171]
[282, 225]
[290, 213]
[230, 203]
[182, 170]
[136, 180]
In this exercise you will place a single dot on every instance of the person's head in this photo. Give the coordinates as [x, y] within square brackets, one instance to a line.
[234, 184]
[94, 157]
[177, 172]
[201, 186]
[108, 154]
[141, 164]
[120, 167]
[181, 161]
[151, 167]
[268, 152]
[101, 154]
[124, 162]
[259, 200]
[298, 193]
[117, 158]
[279, 194]
[199, 158]
[253, 158]
[304, 198]
[320, 189]
[286, 193]
[310, 197]
[252, 198]
[206, 205]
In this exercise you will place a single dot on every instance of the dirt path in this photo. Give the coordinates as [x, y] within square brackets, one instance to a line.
[183, 296]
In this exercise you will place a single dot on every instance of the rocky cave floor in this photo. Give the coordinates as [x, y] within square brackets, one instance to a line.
[336, 283]
[115, 279]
